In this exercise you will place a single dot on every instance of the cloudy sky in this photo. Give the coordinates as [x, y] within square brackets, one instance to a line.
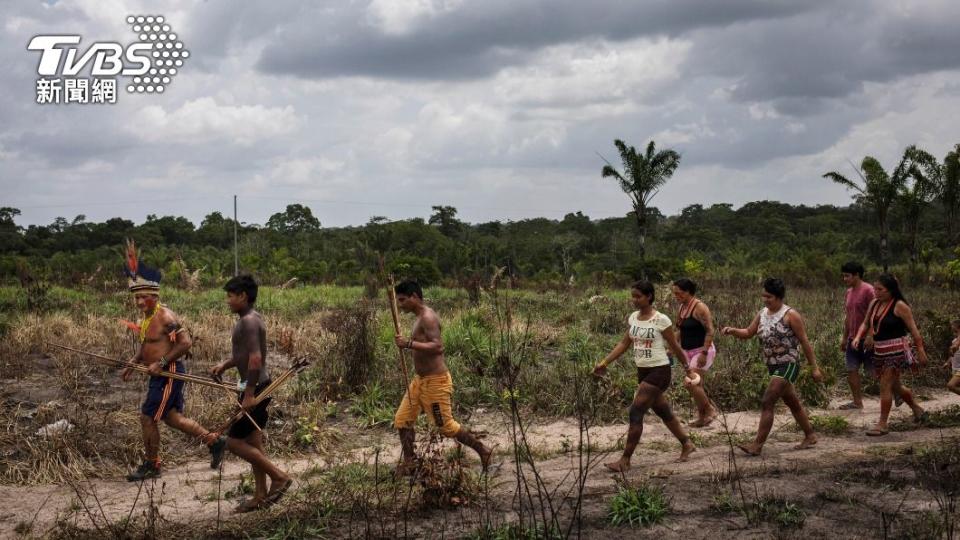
[498, 107]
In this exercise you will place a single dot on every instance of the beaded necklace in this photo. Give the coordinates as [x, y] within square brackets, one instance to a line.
[878, 320]
[146, 323]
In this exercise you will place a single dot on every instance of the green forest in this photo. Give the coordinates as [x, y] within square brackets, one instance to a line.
[905, 219]
[764, 237]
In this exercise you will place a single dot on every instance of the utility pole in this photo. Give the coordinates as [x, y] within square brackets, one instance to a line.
[236, 253]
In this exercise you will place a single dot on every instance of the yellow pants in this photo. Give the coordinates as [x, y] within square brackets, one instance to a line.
[433, 394]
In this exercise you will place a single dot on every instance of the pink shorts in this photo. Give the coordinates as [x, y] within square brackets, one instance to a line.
[692, 355]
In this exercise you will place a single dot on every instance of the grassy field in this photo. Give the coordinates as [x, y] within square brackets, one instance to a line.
[553, 334]
[522, 349]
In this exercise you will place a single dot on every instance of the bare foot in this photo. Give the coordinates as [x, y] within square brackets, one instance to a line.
[699, 422]
[711, 416]
[622, 465]
[685, 451]
[807, 442]
[751, 449]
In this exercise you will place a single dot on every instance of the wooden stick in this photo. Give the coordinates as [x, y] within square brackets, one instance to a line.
[168, 374]
[395, 313]
[143, 369]
[273, 386]
[298, 366]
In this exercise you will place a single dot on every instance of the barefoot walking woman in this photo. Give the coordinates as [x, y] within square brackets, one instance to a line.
[782, 334]
[884, 331]
[649, 333]
[695, 326]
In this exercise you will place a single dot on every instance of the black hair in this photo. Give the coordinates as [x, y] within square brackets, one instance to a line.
[645, 288]
[409, 288]
[243, 283]
[890, 283]
[955, 323]
[853, 267]
[775, 286]
[686, 285]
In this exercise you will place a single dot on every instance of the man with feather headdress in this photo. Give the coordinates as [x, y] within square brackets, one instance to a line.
[163, 344]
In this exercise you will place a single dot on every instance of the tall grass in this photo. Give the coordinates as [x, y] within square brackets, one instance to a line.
[353, 352]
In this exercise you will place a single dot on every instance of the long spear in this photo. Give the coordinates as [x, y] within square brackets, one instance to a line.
[395, 313]
[168, 374]
[143, 369]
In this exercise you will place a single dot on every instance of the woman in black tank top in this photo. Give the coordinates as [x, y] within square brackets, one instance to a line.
[889, 325]
[695, 325]
[884, 330]
[692, 332]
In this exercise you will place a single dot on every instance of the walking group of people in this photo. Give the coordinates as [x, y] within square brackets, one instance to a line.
[165, 343]
[877, 330]
[879, 336]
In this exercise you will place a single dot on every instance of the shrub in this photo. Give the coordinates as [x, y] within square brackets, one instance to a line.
[639, 506]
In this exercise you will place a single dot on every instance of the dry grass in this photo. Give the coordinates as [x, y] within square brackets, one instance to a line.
[350, 346]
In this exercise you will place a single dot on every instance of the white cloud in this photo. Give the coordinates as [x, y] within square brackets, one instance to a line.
[684, 133]
[203, 121]
[177, 175]
[911, 111]
[578, 75]
[301, 173]
[398, 17]
[761, 111]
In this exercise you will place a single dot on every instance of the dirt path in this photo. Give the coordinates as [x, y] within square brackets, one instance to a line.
[189, 492]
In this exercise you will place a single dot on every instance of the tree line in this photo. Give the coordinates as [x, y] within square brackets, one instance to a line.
[906, 217]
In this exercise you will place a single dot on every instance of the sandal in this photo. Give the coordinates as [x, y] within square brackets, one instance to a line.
[851, 406]
[249, 505]
[276, 493]
[922, 419]
[877, 432]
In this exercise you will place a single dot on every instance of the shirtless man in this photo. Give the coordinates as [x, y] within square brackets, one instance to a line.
[163, 343]
[250, 358]
[432, 387]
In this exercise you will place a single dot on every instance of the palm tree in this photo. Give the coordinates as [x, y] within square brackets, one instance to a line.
[643, 176]
[917, 192]
[949, 191]
[879, 191]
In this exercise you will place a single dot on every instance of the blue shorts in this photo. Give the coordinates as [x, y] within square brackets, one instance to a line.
[163, 394]
[858, 357]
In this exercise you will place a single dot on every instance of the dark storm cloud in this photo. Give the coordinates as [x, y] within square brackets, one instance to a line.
[798, 62]
[489, 101]
[477, 39]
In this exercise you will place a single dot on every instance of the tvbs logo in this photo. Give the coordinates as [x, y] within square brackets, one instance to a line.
[107, 57]
[149, 63]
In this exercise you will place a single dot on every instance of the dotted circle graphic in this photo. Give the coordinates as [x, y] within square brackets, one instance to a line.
[167, 51]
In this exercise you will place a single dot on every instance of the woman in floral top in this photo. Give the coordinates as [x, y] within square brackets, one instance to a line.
[782, 334]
